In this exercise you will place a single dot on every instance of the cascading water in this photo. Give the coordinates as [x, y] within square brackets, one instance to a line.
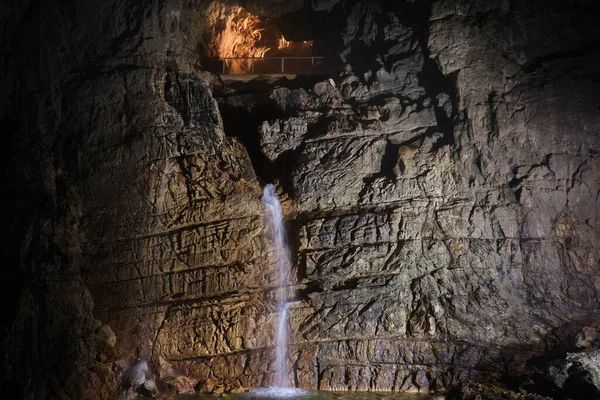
[274, 219]
[276, 234]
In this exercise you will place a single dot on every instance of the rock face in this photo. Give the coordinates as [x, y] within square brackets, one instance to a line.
[441, 192]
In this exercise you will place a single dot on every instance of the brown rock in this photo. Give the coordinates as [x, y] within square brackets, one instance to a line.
[106, 335]
[182, 384]
[443, 210]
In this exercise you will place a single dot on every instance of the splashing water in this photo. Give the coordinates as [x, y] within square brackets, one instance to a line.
[132, 378]
[278, 393]
[274, 220]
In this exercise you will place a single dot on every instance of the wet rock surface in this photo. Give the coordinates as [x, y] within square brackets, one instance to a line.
[441, 192]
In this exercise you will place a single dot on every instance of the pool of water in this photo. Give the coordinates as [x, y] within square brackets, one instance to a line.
[301, 394]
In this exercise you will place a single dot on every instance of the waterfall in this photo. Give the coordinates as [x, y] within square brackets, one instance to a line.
[276, 230]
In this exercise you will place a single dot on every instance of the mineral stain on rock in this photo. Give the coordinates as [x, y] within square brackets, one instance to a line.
[440, 188]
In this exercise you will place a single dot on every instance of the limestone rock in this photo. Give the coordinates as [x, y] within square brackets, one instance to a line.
[280, 136]
[106, 335]
[441, 198]
[577, 376]
[150, 388]
[182, 384]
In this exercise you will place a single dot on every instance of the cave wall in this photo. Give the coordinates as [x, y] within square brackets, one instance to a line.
[441, 196]
[448, 213]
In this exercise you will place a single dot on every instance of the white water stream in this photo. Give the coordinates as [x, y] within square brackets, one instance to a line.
[276, 232]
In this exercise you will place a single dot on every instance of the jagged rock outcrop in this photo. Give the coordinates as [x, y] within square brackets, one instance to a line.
[441, 192]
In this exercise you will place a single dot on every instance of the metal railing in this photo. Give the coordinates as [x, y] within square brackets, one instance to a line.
[254, 60]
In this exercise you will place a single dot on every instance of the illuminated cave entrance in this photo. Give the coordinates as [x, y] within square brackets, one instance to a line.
[287, 45]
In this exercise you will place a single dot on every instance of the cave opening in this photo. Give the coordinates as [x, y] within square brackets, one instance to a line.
[242, 122]
[243, 113]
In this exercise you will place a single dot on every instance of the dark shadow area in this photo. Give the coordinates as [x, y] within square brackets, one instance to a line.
[304, 293]
[243, 123]
[18, 176]
[243, 113]
[551, 374]
[266, 83]
[245, 105]
[434, 81]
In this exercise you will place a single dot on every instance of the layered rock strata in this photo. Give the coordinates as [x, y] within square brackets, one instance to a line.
[441, 193]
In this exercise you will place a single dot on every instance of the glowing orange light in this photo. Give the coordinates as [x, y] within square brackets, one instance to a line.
[283, 43]
[241, 34]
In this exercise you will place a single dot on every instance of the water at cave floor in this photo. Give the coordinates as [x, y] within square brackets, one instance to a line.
[312, 395]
